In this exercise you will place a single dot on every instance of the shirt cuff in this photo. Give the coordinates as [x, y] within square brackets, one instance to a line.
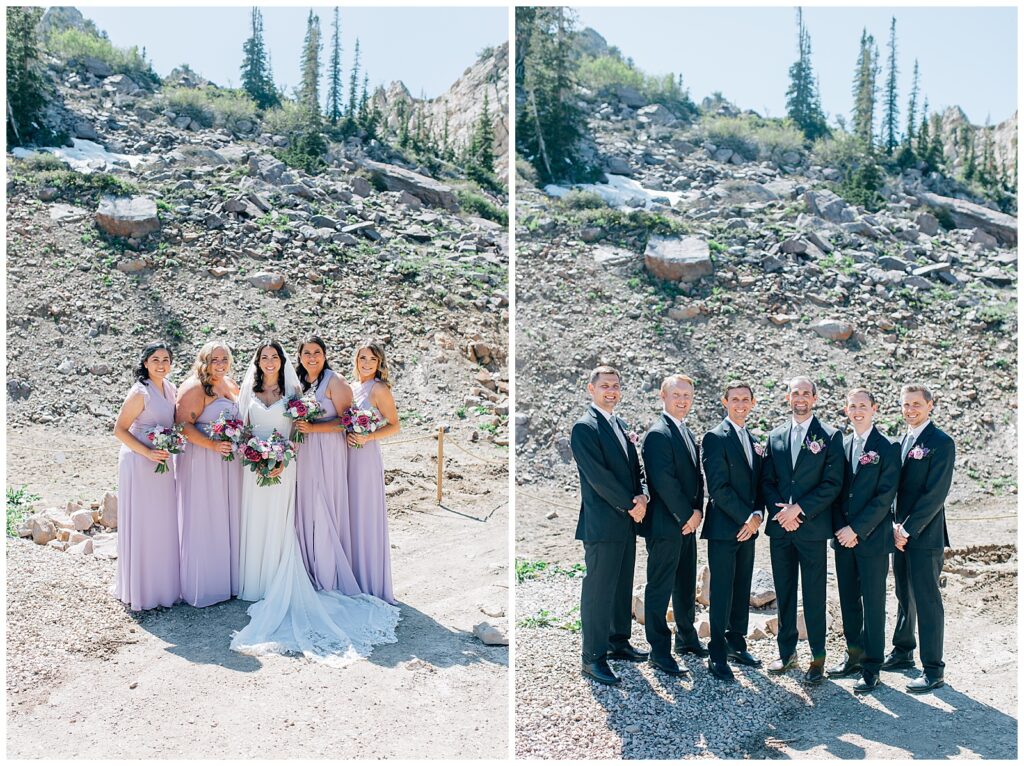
[903, 532]
[759, 515]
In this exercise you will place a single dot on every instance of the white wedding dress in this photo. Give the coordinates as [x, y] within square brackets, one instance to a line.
[293, 617]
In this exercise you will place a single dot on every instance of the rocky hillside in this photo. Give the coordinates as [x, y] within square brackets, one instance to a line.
[161, 227]
[463, 104]
[695, 259]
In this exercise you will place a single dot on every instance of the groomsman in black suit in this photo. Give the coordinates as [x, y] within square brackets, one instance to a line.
[672, 467]
[920, 535]
[803, 475]
[732, 468]
[614, 502]
[862, 520]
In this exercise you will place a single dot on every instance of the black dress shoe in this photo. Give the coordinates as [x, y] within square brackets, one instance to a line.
[743, 658]
[600, 671]
[721, 670]
[847, 667]
[815, 672]
[925, 684]
[898, 661]
[627, 653]
[778, 667]
[668, 665]
[868, 683]
[697, 649]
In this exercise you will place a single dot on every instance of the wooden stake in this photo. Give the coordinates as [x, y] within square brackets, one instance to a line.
[440, 461]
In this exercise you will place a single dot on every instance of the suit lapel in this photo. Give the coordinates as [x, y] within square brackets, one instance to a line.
[679, 448]
[733, 442]
[608, 437]
[810, 432]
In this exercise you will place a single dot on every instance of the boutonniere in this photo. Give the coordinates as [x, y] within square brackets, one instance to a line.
[759, 449]
[634, 437]
[868, 458]
[815, 445]
[918, 452]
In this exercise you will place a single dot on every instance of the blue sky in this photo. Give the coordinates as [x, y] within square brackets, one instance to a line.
[967, 56]
[426, 48]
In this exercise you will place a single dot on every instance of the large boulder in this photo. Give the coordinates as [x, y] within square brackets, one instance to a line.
[968, 215]
[430, 192]
[43, 530]
[267, 280]
[829, 205]
[82, 519]
[108, 511]
[833, 329]
[678, 259]
[762, 589]
[656, 114]
[127, 216]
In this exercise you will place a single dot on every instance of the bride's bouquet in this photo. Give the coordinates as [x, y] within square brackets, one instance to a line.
[171, 439]
[228, 429]
[262, 456]
[304, 407]
[359, 421]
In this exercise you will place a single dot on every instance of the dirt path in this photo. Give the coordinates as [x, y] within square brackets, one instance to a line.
[164, 684]
[973, 716]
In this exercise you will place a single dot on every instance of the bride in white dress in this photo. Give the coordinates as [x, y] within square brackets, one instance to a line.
[292, 617]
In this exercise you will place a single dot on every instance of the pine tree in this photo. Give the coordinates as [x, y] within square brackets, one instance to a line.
[257, 80]
[891, 118]
[549, 124]
[482, 144]
[803, 104]
[402, 112]
[309, 90]
[912, 107]
[334, 73]
[364, 97]
[970, 163]
[865, 88]
[923, 136]
[353, 83]
[447, 153]
[26, 88]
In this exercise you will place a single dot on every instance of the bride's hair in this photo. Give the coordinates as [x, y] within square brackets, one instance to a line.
[141, 373]
[201, 367]
[301, 371]
[258, 383]
[382, 374]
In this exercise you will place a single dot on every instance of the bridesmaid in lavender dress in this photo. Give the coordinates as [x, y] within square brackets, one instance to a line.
[209, 489]
[147, 530]
[321, 498]
[371, 553]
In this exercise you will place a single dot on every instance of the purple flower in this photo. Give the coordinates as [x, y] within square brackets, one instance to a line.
[918, 452]
[868, 458]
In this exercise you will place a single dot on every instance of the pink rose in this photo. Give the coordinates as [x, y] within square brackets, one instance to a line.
[759, 449]
[918, 452]
[868, 458]
[814, 447]
[363, 421]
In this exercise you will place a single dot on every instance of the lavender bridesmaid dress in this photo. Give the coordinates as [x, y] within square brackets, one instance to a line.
[321, 504]
[209, 496]
[147, 528]
[371, 552]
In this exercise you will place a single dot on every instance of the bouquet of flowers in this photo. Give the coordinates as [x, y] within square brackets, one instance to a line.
[358, 421]
[171, 439]
[228, 429]
[304, 407]
[262, 456]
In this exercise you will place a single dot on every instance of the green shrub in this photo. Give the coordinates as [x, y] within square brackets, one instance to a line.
[305, 152]
[578, 199]
[289, 119]
[605, 72]
[76, 44]
[211, 107]
[19, 503]
[526, 171]
[842, 151]
[753, 137]
[471, 202]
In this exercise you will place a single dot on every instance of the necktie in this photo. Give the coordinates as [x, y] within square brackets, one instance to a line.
[613, 422]
[908, 443]
[858, 449]
[795, 443]
[688, 443]
[745, 441]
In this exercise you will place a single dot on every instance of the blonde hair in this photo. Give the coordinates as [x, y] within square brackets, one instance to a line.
[382, 374]
[201, 367]
[673, 380]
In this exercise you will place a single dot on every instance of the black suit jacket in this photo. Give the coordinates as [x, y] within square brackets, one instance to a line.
[814, 483]
[924, 484]
[673, 479]
[608, 481]
[733, 486]
[865, 503]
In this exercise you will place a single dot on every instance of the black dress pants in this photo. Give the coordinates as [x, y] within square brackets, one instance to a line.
[606, 603]
[671, 572]
[732, 567]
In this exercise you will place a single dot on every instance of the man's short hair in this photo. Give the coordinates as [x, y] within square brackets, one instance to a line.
[604, 369]
[854, 391]
[793, 381]
[737, 384]
[918, 388]
[673, 380]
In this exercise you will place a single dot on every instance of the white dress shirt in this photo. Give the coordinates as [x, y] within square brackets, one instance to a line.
[613, 422]
[914, 434]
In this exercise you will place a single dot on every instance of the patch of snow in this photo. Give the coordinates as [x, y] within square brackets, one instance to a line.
[85, 156]
[621, 191]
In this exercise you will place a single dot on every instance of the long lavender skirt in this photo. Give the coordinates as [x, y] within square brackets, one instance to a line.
[322, 514]
[371, 552]
[209, 497]
[147, 533]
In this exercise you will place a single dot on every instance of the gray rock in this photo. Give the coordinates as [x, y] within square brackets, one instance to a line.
[84, 129]
[490, 634]
[684, 259]
[968, 215]
[928, 224]
[762, 589]
[95, 66]
[628, 96]
[430, 192]
[919, 283]
[656, 114]
[828, 205]
[127, 216]
[892, 262]
[983, 238]
[618, 166]
[609, 255]
[833, 329]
